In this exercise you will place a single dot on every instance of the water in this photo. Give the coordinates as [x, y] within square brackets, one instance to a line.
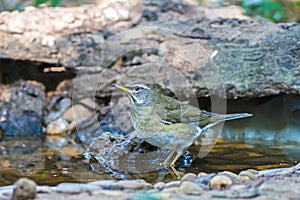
[49, 164]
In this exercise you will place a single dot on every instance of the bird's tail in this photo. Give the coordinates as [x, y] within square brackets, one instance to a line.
[217, 118]
[236, 116]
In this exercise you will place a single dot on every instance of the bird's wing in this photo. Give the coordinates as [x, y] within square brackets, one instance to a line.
[182, 113]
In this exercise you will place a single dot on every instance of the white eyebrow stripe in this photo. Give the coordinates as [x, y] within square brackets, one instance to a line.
[142, 86]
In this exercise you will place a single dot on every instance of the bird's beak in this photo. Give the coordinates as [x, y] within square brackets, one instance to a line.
[123, 88]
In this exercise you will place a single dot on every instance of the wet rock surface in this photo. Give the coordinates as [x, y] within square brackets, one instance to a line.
[273, 186]
[22, 107]
[94, 44]
[24, 189]
[254, 59]
[126, 155]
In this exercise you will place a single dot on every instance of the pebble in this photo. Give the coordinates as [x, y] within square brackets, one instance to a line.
[44, 189]
[170, 190]
[57, 107]
[243, 178]
[204, 180]
[57, 126]
[88, 102]
[134, 184]
[268, 187]
[247, 174]
[229, 174]
[77, 113]
[190, 188]
[105, 184]
[220, 180]
[76, 188]
[172, 184]
[159, 185]
[191, 177]
[253, 171]
[109, 193]
[24, 189]
[201, 174]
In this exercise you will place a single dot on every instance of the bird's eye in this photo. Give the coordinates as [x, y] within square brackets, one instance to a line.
[137, 88]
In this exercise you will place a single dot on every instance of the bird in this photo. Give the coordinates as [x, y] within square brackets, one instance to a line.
[166, 122]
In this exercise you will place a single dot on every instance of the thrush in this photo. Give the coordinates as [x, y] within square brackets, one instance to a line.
[166, 122]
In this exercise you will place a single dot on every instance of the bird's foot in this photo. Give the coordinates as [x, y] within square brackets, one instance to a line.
[175, 173]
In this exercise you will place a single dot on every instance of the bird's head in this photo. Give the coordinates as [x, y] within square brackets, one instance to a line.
[140, 94]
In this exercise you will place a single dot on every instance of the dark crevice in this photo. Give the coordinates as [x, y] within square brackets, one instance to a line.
[48, 74]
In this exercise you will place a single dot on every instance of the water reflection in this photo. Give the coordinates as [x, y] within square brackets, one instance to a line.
[60, 160]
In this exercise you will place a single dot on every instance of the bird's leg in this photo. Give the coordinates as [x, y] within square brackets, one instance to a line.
[176, 158]
[166, 162]
[174, 173]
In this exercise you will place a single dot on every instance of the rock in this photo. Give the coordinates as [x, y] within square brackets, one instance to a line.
[159, 185]
[253, 171]
[58, 126]
[24, 189]
[134, 184]
[129, 153]
[76, 188]
[21, 109]
[44, 189]
[220, 180]
[201, 174]
[171, 190]
[90, 103]
[57, 106]
[109, 193]
[190, 188]
[205, 179]
[172, 184]
[191, 177]
[247, 174]
[76, 114]
[105, 184]
[229, 174]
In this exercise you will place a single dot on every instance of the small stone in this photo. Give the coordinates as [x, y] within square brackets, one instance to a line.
[248, 174]
[24, 189]
[190, 188]
[90, 103]
[170, 190]
[204, 180]
[30, 8]
[44, 189]
[220, 180]
[57, 126]
[268, 187]
[48, 41]
[243, 178]
[57, 107]
[109, 193]
[111, 14]
[76, 188]
[201, 174]
[124, 14]
[229, 174]
[253, 171]
[134, 184]
[77, 114]
[105, 184]
[159, 185]
[172, 184]
[191, 177]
